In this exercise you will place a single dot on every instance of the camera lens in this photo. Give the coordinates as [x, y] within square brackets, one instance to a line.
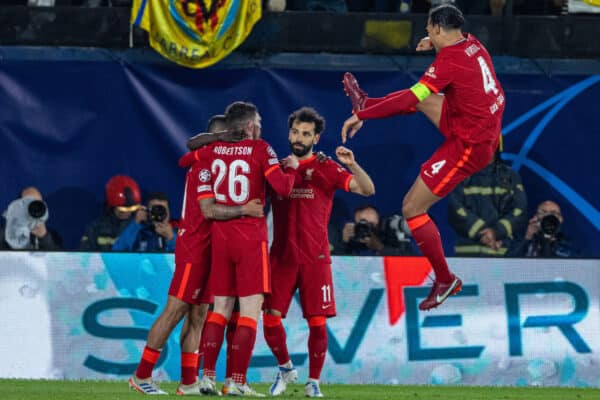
[362, 229]
[36, 209]
[550, 224]
[158, 213]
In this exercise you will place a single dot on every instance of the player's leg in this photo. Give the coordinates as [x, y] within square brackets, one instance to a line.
[252, 282]
[173, 312]
[283, 282]
[317, 298]
[243, 344]
[447, 167]
[189, 341]
[213, 340]
[229, 335]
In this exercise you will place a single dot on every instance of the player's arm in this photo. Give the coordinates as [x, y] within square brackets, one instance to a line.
[360, 183]
[281, 182]
[401, 102]
[205, 138]
[213, 210]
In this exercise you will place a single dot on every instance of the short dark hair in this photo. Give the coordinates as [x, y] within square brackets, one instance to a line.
[237, 114]
[447, 16]
[308, 114]
[157, 196]
[216, 123]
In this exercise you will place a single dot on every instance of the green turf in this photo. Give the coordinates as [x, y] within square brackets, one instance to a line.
[117, 390]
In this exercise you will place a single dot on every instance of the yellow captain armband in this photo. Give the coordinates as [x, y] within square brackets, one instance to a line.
[420, 90]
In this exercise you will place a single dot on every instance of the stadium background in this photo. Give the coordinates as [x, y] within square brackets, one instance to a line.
[73, 116]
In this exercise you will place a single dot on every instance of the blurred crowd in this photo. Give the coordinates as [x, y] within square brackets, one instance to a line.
[473, 7]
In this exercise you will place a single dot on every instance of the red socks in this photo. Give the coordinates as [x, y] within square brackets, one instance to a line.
[214, 331]
[241, 348]
[317, 346]
[149, 358]
[231, 327]
[275, 337]
[189, 364]
[428, 239]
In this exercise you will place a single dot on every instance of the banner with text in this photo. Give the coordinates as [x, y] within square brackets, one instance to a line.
[516, 322]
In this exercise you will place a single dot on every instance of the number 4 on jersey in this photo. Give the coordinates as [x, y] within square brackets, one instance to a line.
[489, 83]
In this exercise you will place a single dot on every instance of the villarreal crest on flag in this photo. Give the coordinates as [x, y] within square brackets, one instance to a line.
[196, 33]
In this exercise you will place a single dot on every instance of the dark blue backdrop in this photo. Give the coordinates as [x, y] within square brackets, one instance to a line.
[66, 126]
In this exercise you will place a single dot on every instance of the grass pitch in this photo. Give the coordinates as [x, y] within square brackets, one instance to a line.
[16, 389]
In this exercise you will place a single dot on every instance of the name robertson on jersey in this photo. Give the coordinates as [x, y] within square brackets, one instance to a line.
[299, 193]
[233, 151]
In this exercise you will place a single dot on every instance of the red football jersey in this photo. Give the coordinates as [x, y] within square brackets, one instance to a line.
[300, 221]
[474, 100]
[238, 173]
[194, 229]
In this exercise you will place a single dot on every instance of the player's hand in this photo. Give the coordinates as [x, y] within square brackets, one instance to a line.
[39, 230]
[231, 137]
[348, 232]
[253, 208]
[290, 161]
[425, 44]
[164, 229]
[345, 155]
[322, 157]
[350, 127]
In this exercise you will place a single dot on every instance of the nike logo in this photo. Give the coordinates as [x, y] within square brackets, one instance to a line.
[427, 174]
[443, 296]
[326, 307]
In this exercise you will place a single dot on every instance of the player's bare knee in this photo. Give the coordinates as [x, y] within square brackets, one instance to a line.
[275, 313]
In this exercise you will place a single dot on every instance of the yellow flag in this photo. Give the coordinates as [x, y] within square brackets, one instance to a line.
[196, 33]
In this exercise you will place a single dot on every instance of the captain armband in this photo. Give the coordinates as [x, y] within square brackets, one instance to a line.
[420, 91]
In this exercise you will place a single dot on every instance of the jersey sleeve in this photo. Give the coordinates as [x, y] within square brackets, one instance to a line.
[338, 176]
[280, 182]
[438, 75]
[201, 179]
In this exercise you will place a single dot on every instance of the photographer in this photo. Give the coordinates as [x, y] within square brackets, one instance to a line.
[25, 227]
[544, 237]
[368, 236]
[150, 230]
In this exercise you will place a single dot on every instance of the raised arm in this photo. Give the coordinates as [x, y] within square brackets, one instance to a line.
[361, 183]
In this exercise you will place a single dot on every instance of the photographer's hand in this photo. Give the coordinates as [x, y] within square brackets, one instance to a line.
[141, 215]
[348, 232]
[164, 229]
[532, 228]
[40, 230]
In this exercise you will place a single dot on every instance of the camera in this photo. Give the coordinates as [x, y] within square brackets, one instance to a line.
[37, 209]
[157, 213]
[549, 224]
[363, 229]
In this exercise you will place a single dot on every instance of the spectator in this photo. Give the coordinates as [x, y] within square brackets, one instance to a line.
[25, 225]
[544, 237]
[369, 236]
[151, 229]
[122, 199]
[487, 210]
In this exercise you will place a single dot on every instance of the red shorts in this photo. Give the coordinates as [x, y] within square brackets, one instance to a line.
[190, 282]
[453, 162]
[239, 268]
[314, 282]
